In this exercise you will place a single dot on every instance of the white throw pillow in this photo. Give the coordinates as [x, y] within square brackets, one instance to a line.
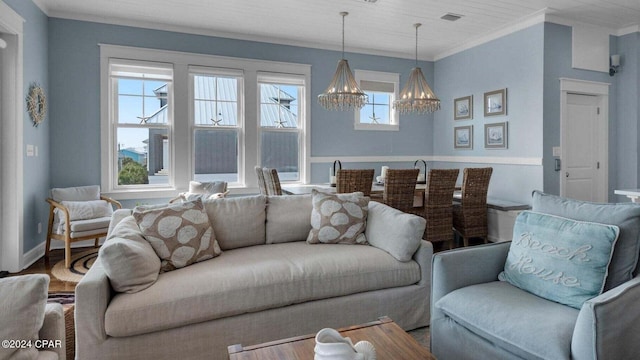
[394, 231]
[128, 259]
[22, 303]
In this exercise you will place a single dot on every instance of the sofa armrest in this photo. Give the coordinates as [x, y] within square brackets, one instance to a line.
[423, 257]
[459, 268]
[53, 329]
[93, 294]
[608, 324]
[117, 216]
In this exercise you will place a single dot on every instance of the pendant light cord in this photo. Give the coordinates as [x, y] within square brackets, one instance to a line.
[416, 26]
[344, 13]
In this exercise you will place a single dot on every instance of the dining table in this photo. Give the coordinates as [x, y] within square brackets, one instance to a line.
[376, 190]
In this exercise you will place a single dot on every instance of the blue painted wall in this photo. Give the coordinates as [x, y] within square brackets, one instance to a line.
[628, 113]
[75, 135]
[557, 64]
[36, 169]
[515, 62]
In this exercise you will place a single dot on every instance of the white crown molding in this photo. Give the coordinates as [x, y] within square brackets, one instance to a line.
[628, 30]
[528, 161]
[43, 7]
[520, 24]
[226, 35]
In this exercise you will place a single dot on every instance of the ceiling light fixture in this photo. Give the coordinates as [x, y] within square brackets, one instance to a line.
[416, 96]
[343, 93]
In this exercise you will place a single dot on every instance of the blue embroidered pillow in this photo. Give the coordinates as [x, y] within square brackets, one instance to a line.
[559, 259]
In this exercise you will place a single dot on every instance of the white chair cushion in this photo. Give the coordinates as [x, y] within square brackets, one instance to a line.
[79, 193]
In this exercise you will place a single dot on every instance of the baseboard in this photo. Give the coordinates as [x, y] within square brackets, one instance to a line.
[37, 252]
[33, 255]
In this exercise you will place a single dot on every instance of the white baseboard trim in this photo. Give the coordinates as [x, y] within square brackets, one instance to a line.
[528, 161]
[37, 252]
[33, 255]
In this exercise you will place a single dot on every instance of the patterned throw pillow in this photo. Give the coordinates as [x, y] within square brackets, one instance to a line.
[180, 233]
[338, 219]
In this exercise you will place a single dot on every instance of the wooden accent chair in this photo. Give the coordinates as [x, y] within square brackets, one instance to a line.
[470, 216]
[438, 212]
[272, 181]
[262, 185]
[348, 181]
[400, 188]
[90, 217]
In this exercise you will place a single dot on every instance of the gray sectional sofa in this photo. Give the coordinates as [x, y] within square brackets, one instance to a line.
[267, 284]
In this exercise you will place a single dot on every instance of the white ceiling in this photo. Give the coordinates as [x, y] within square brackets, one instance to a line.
[384, 27]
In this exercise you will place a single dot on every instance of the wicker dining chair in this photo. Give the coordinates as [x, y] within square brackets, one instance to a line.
[400, 188]
[438, 212]
[272, 181]
[262, 185]
[348, 181]
[470, 216]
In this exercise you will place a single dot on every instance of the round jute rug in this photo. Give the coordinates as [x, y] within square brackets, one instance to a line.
[80, 264]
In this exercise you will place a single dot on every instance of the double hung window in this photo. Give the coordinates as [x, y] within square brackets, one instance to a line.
[382, 90]
[281, 123]
[141, 119]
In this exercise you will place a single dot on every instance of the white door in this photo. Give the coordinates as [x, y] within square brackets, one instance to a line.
[582, 170]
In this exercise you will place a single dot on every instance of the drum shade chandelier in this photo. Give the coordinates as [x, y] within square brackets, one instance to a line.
[343, 93]
[417, 96]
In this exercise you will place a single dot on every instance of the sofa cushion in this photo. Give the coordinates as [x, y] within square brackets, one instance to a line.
[238, 221]
[128, 259]
[625, 215]
[394, 231]
[338, 218]
[513, 319]
[180, 233]
[23, 300]
[288, 218]
[252, 279]
[559, 259]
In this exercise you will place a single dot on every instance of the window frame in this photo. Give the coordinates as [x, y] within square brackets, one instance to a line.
[240, 128]
[302, 129]
[182, 146]
[382, 77]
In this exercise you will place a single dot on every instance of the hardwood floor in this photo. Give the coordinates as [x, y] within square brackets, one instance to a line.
[43, 266]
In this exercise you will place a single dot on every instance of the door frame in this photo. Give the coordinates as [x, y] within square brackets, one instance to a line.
[11, 134]
[601, 91]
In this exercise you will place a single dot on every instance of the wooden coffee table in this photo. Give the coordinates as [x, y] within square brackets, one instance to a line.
[390, 340]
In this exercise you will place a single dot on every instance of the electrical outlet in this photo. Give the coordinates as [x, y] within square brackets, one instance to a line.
[556, 151]
[39, 228]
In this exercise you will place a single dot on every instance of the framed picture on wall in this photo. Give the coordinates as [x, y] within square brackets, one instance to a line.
[463, 137]
[496, 136]
[463, 108]
[495, 102]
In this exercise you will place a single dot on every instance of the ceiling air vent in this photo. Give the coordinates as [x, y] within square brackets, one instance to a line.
[451, 17]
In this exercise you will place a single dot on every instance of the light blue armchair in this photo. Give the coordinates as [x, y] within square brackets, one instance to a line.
[475, 316]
